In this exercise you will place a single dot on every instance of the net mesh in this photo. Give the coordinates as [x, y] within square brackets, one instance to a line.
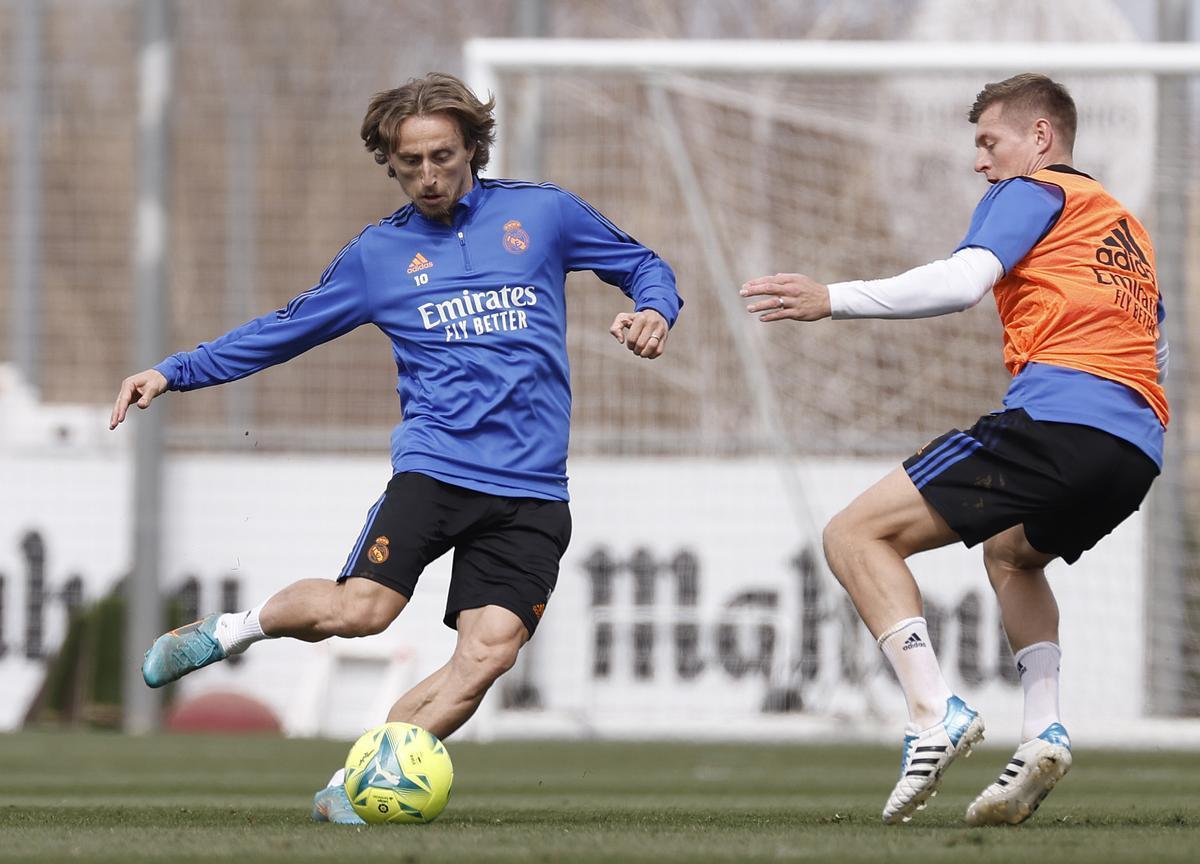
[794, 173]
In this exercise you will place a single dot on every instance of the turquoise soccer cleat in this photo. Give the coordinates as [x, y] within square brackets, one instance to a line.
[1031, 773]
[331, 804]
[181, 651]
[927, 754]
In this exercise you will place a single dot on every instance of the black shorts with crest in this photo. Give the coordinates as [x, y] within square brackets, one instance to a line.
[506, 550]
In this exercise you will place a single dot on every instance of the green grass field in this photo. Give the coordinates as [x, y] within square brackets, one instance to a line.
[97, 797]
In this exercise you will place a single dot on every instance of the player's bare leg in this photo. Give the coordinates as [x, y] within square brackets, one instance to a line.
[1030, 615]
[489, 639]
[311, 610]
[315, 609]
[1017, 573]
[866, 546]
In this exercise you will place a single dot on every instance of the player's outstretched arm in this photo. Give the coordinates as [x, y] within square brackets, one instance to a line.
[787, 296]
[141, 388]
[644, 333]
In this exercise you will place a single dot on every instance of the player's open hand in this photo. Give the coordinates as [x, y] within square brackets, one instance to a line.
[787, 295]
[140, 388]
[644, 333]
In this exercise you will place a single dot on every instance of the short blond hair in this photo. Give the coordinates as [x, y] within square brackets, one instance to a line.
[1034, 95]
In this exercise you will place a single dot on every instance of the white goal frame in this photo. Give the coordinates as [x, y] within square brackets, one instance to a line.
[485, 59]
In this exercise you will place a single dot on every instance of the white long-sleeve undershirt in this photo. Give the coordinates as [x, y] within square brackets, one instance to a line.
[938, 288]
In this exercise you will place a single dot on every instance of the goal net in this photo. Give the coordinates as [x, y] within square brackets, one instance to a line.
[838, 160]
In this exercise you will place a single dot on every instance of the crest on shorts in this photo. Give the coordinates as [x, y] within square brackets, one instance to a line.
[538, 609]
[515, 239]
[378, 553]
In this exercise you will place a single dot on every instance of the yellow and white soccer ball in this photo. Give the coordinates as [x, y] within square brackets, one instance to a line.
[398, 772]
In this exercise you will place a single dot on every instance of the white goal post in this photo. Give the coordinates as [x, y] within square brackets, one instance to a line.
[485, 59]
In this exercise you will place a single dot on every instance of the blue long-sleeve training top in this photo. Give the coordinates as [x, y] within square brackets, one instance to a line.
[476, 312]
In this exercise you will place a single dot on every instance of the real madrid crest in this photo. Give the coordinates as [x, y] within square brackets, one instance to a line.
[515, 241]
[378, 553]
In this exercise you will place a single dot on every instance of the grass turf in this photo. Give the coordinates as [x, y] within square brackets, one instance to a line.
[97, 797]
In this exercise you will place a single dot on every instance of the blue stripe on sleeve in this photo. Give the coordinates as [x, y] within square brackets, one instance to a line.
[296, 302]
[335, 305]
[591, 242]
[601, 218]
[596, 214]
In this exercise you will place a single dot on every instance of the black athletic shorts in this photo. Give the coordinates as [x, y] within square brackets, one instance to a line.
[1069, 485]
[506, 550]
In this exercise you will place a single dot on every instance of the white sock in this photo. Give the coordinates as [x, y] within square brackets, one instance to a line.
[237, 631]
[907, 647]
[1038, 665]
[338, 778]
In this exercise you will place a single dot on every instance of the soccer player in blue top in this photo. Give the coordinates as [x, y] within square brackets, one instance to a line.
[1072, 454]
[468, 283]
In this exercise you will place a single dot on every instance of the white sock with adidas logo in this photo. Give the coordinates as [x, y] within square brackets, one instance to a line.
[1038, 665]
[907, 647]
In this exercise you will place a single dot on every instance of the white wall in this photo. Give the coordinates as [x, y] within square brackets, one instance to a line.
[265, 521]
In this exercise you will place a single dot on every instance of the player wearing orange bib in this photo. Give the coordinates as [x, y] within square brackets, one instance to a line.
[1071, 455]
